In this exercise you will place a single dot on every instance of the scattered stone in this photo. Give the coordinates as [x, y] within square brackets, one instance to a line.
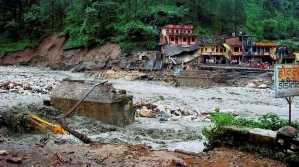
[14, 159]
[263, 86]
[1, 139]
[251, 85]
[3, 152]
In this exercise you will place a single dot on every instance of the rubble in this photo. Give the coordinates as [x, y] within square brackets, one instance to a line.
[143, 108]
[27, 84]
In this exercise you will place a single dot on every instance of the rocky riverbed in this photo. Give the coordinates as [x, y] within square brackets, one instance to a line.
[187, 106]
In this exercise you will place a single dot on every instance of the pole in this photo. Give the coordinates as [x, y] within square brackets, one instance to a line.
[289, 100]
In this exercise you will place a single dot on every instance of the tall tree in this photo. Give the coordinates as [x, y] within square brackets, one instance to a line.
[239, 15]
[225, 11]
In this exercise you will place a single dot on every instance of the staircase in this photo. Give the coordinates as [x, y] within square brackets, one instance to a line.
[226, 54]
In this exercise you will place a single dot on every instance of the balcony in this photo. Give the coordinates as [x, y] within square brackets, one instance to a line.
[181, 34]
[261, 53]
[237, 53]
[248, 53]
[248, 43]
[212, 53]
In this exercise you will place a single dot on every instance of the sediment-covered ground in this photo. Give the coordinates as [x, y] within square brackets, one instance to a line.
[31, 86]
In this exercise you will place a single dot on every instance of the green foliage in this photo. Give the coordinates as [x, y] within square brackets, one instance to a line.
[136, 23]
[221, 119]
[292, 159]
[161, 97]
[125, 101]
[218, 136]
[271, 121]
[292, 45]
[270, 28]
[134, 34]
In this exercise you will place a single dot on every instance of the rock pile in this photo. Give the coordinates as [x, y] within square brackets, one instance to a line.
[27, 85]
[261, 84]
[143, 108]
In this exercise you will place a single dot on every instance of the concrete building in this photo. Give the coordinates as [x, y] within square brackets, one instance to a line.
[178, 35]
[212, 50]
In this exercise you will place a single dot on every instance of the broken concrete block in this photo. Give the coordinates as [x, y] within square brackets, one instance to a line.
[198, 78]
[104, 103]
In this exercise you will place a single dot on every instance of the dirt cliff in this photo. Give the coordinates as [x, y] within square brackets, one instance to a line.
[50, 53]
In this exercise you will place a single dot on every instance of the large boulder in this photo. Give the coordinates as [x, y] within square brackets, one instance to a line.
[263, 86]
[251, 85]
[288, 131]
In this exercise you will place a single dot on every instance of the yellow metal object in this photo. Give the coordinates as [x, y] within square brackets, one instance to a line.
[44, 126]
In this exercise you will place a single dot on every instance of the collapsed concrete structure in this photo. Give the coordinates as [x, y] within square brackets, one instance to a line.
[198, 78]
[145, 60]
[177, 54]
[104, 103]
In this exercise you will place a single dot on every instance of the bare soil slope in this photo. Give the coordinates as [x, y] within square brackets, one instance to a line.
[50, 53]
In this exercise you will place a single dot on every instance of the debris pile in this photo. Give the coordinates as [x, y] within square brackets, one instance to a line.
[261, 84]
[170, 80]
[143, 108]
[127, 75]
[29, 86]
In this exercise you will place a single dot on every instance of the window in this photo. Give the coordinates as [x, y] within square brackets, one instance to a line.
[236, 49]
[171, 39]
[184, 39]
[177, 31]
[189, 31]
[206, 49]
[167, 31]
[213, 49]
[192, 39]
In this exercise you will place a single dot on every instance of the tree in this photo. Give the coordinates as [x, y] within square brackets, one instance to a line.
[225, 11]
[270, 29]
[239, 17]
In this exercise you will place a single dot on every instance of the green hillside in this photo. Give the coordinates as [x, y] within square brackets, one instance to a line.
[89, 23]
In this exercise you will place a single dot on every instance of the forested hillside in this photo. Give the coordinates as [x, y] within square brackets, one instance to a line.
[89, 23]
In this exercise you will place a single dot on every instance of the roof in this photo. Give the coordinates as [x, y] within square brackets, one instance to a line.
[210, 41]
[172, 50]
[233, 41]
[265, 44]
[178, 26]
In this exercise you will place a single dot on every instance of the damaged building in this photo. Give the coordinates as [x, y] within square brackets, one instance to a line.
[178, 55]
[145, 60]
[178, 44]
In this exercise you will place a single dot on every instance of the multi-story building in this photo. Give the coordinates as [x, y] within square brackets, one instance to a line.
[244, 49]
[264, 52]
[234, 49]
[178, 35]
[212, 50]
